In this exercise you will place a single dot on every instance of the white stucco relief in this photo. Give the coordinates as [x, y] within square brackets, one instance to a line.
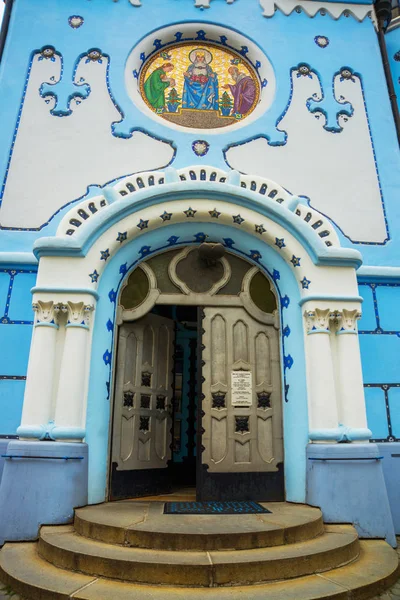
[337, 171]
[60, 156]
[334, 9]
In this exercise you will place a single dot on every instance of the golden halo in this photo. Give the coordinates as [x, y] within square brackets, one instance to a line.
[207, 54]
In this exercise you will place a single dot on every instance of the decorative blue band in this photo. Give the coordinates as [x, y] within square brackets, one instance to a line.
[45, 324]
[317, 331]
[56, 290]
[31, 431]
[347, 331]
[340, 434]
[69, 433]
[330, 298]
[366, 273]
[37, 432]
[50, 432]
[18, 258]
[80, 325]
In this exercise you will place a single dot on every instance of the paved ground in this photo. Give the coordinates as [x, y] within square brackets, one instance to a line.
[392, 594]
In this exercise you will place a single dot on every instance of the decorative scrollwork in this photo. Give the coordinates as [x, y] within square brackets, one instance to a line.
[128, 399]
[218, 400]
[242, 424]
[144, 424]
[264, 400]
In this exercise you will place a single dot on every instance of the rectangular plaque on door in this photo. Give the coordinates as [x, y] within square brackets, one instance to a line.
[241, 388]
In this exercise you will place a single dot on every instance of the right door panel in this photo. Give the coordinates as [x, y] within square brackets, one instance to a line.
[242, 445]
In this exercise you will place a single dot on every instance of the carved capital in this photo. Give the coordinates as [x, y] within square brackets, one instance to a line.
[78, 313]
[46, 312]
[346, 320]
[317, 320]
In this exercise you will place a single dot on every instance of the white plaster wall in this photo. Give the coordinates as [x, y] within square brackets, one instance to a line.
[335, 170]
[58, 157]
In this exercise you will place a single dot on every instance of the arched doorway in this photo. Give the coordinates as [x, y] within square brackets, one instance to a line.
[197, 396]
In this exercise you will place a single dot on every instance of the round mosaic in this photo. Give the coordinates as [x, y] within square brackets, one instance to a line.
[200, 86]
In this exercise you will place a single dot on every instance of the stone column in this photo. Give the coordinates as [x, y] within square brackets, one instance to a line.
[36, 412]
[321, 381]
[70, 401]
[350, 388]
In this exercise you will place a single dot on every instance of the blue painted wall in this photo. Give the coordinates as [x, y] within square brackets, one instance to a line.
[115, 28]
[379, 330]
[15, 337]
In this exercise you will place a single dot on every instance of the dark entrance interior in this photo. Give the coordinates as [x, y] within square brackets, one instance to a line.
[182, 466]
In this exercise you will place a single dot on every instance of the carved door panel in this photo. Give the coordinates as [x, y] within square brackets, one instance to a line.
[242, 445]
[141, 445]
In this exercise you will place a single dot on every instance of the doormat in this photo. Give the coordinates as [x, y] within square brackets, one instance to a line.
[213, 508]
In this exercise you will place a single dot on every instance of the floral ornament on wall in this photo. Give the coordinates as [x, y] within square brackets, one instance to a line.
[75, 21]
[48, 53]
[200, 147]
[94, 55]
[347, 74]
[321, 40]
[304, 70]
[397, 56]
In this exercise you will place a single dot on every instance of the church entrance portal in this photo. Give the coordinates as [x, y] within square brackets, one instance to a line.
[197, 398]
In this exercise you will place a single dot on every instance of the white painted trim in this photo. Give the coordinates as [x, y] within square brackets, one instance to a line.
[312, 7]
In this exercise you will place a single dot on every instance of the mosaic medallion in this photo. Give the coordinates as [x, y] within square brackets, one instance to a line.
[200, 86]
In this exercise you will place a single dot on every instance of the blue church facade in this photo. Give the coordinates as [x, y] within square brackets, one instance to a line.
[99, 176]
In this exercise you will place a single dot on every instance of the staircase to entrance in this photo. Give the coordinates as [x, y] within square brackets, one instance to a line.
[132, 550]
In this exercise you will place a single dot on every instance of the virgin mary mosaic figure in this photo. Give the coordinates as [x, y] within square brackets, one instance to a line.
[200, 90]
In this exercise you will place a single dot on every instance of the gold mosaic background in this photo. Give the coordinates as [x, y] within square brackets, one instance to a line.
[179, 57]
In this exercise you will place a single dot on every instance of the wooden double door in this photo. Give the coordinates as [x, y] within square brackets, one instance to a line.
[235, 402]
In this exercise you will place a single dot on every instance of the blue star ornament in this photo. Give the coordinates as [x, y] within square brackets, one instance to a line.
[122, 237]
[295, 260]
[142, 225]
[94, 276]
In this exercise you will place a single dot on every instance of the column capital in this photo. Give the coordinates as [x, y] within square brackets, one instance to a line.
[78, 313]
[47, 313]
[346, 320]
[317, 320]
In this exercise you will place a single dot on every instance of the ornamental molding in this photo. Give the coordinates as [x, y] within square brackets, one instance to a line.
[194, 178]
[340, 321]
[312, 7]
[78, 313]
[318, 320]
[346, 320]
[46, 312]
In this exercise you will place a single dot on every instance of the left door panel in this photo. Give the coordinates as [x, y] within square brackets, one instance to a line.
[141, 436]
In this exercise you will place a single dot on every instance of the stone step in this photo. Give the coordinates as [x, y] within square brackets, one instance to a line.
[66, 549]
[32, 577]
[143, 525]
